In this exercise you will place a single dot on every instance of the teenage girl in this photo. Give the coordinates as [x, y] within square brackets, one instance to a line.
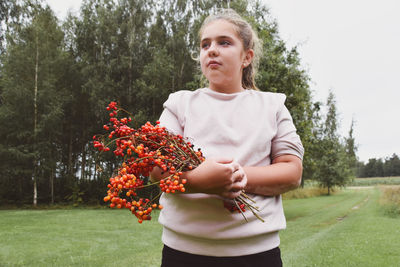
[250, 144]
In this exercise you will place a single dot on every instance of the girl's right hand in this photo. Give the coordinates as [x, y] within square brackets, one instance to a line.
[223, 177]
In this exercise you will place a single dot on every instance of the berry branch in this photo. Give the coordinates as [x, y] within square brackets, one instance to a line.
[143, 149]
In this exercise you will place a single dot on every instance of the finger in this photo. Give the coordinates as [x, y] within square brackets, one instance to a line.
[240, 186]
[234, 166]
[238, 175]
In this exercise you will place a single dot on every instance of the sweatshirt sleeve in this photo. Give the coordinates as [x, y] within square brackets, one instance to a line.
[286, 140]
[170, 117]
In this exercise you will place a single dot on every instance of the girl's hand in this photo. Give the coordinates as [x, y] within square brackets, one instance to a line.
[223, 177]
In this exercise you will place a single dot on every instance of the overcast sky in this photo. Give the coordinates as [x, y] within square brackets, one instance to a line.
[349, 47]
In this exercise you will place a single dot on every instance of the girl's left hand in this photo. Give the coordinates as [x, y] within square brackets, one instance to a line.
[239, 179]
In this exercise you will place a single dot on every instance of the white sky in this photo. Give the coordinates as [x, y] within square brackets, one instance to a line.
[351, 47]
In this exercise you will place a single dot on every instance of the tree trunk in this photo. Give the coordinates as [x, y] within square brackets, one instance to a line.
[52, 186]
[95, 171]
[173, 82]
[130, 93]
[70, 167]
[153, 112]
[83, 163]
[34, 189]
[35, 115]
[181, 75]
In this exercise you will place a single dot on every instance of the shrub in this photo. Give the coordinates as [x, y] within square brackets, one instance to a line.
[390, 199]
[306, 192]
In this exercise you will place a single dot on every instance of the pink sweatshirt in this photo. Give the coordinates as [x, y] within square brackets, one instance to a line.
[252, 127]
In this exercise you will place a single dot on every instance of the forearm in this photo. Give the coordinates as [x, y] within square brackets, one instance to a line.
[283, 175]
[214, 176]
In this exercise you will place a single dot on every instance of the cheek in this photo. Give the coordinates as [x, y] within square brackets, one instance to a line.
[202, 61]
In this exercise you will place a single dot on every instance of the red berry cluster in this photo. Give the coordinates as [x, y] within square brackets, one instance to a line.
[232, 206]
[142, 149]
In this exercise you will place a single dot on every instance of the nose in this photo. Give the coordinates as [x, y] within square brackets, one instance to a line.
[213, 50]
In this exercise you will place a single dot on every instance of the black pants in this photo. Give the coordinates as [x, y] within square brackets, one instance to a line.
[175, 258]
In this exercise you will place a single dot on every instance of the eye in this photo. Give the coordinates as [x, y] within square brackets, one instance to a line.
[205, 45]
[224, 42]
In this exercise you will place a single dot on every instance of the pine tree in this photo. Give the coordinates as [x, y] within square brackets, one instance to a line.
[351, 150]
[332, 167]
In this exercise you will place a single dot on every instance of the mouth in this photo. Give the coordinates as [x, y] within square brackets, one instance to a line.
[213, 63]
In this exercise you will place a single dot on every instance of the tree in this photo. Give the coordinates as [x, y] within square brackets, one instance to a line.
[132, 51]
[313, 150]
[391, 167]
[31, 109]
[373, 168]
[332, 168]
[9, 17]
[351, 149]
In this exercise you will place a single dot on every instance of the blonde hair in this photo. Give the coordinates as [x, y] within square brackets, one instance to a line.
[249, 39]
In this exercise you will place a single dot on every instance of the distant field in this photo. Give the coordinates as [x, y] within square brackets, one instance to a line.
[349, 228]
[375, 181]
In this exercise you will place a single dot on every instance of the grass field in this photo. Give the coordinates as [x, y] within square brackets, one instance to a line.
[77, 237]
[375, 181]
[349, 228]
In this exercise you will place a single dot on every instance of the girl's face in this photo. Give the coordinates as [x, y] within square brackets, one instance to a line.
[222, 57]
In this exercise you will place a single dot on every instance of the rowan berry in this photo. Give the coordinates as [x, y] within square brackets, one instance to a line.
[143, 149]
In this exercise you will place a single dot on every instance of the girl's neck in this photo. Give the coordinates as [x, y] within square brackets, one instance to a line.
[227, 89]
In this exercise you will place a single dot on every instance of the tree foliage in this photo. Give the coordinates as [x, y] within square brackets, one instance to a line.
[332, 167]
[137, 53]
[351, 149]
[389, 166]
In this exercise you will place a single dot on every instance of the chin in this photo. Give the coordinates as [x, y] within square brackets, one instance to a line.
[215, 79]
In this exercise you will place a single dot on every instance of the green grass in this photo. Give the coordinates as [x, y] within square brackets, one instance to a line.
[77, 237]
[375, 181]
[308, 192]
[390, 199]
[349, 228]
[346, 229]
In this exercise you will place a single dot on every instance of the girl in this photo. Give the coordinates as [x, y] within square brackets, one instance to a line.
[250, 144]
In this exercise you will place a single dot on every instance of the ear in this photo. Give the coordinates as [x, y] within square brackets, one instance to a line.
[248, 57]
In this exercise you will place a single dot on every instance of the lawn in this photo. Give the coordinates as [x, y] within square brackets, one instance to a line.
[77, 237]
[373, 181]
[346, 229]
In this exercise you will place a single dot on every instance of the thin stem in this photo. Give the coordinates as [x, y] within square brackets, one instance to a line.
[240, 210]
[255, 214]
[147, 185]
[246, 196]
[154, 198]
[243, 200]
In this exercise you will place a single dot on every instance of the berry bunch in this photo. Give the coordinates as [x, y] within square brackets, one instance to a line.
[142, 149]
